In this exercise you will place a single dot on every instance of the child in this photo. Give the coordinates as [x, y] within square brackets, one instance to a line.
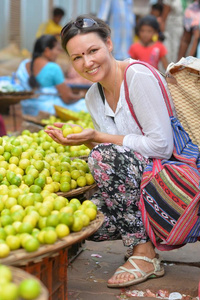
[146, 49]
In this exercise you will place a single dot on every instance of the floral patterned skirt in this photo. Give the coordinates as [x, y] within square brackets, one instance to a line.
[117, 171]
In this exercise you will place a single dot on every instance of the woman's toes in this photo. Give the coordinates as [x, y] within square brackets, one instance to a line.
[120, 278]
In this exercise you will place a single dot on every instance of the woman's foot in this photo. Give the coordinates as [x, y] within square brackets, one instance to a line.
[140, 267]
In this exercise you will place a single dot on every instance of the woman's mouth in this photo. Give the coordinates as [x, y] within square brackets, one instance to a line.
[93, 71]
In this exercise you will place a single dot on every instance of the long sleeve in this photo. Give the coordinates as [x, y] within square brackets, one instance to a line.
[150, 109]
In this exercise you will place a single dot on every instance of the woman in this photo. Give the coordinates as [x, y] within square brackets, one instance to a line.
[46, 78]
[120, 151]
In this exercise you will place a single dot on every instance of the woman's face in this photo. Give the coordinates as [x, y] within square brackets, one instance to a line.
[90, 56]
[53, 53]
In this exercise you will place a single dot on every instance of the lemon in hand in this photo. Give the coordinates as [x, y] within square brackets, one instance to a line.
[66, 129]
[77, 129]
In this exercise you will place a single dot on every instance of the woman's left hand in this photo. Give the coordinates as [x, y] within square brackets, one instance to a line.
[84, 137]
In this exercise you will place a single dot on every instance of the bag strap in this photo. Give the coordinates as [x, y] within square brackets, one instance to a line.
[101, 92]
[163, 90]
[103, 96]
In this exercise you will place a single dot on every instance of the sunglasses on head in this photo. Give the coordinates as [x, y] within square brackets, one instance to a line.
[81, 23]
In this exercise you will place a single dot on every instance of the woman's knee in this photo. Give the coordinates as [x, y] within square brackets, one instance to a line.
[102, 154]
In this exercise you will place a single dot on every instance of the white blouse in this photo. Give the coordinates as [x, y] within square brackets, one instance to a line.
[149, 106]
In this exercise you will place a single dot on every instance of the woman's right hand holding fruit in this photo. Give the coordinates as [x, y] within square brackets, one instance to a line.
[71, 134]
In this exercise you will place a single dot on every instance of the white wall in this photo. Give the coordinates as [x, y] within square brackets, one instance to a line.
[4, 22]
[32, 14]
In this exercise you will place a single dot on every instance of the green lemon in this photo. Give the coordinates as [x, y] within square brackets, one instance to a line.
[9, 291]
[52, 220]
[29, 289]
[62, 230]
[26, 228]
[65, 187]
[31, 244]
[50, 237]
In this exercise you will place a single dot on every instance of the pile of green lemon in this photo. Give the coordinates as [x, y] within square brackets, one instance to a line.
[38, 219]
[27, 289]
[34, 160]
[35, 172]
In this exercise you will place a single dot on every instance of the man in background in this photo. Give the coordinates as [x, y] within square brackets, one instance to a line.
[53, 25]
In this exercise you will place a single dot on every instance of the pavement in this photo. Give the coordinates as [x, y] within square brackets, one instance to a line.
[89, 271]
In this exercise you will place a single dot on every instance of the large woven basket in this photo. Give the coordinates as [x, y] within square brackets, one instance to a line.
[184, 86]
[20, 257]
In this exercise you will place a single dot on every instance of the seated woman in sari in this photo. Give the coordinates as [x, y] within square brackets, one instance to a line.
[46, 78]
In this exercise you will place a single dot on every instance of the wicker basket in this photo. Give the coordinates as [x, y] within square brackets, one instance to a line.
[36, 119]
[21, 257]
[64, 114]
[19, 275]
[15, 97]
[184, 86]
[77, 191]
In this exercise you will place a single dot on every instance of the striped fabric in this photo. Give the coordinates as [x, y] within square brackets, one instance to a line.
[170, 189]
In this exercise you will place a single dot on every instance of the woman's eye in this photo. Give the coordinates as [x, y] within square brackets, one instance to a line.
[93, 50]
[77, 57]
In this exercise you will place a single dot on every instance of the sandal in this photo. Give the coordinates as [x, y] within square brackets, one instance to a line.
[157, 272]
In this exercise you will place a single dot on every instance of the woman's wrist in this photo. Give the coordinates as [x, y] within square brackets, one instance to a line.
[100, 137]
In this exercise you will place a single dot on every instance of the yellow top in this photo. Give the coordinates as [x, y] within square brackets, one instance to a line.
[49, 27]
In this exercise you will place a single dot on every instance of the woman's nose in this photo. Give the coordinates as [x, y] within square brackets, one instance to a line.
[87, 61]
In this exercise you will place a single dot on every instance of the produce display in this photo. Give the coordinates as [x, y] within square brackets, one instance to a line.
[34, 169]
[80, 118]
[26, 289]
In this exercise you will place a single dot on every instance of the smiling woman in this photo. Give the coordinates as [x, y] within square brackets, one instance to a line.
[120, 150]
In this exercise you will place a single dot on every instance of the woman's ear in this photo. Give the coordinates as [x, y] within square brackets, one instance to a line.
[109, 44]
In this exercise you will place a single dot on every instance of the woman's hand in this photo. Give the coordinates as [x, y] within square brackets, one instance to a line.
[85, 137]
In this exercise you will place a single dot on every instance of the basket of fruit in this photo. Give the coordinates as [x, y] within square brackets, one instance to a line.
[82, 118]
[16, 284]
[78, 191]
[8, 98]
[56, 232]
[66, 114]
[36, 119]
